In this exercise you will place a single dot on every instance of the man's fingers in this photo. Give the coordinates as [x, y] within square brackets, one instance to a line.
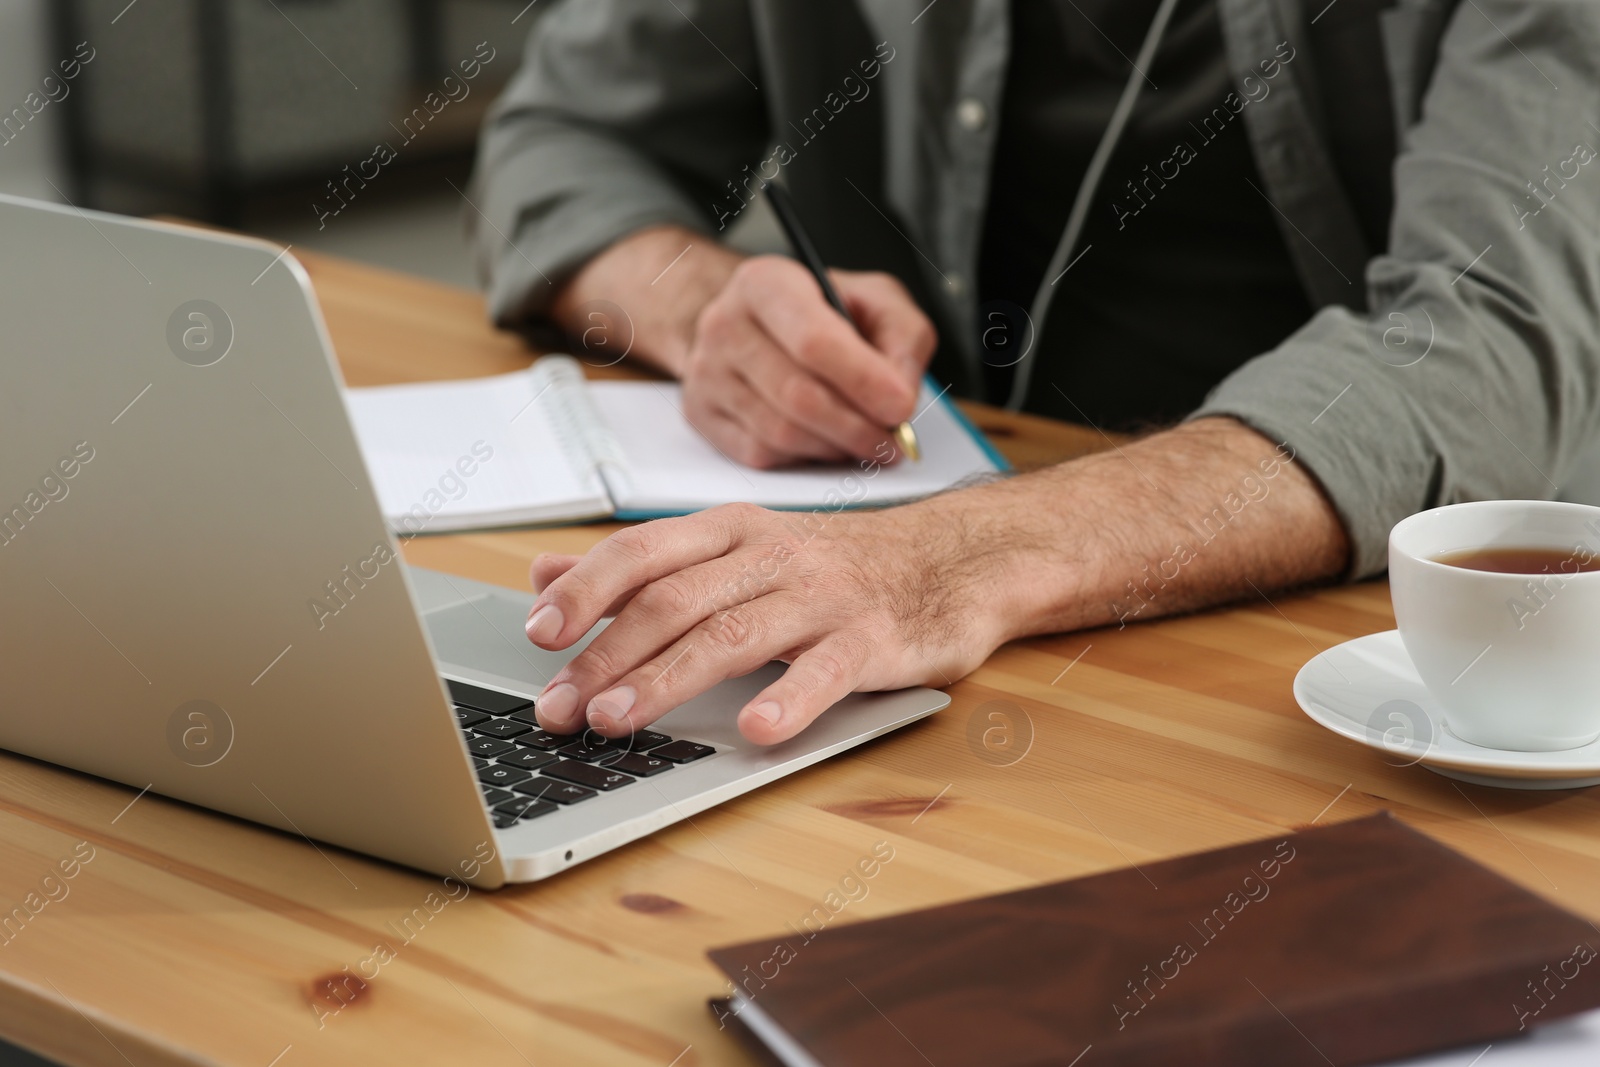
[726, 433]
[818, 679]
[807, 402]
[660, 614]
[890, 319]
[625, 561]
[746, 430]
[789, 305]
[548, 566]
[730, 341]
[773, 431]
[729, 644]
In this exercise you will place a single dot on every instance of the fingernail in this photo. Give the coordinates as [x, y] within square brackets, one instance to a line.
[544, 625]
[559, 704]
[611, 707]
[768, 710]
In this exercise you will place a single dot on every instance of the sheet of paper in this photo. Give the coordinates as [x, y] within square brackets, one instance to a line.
[674, 469]
[1573, 1042]
[475, 452]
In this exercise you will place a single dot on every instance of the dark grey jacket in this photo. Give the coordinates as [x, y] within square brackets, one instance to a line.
[1455, 354]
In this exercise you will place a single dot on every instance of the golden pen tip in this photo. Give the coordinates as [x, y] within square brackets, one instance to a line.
[906, 438]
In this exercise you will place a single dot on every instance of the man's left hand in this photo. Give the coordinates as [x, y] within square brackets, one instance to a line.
[851, 601]
[1201, 514]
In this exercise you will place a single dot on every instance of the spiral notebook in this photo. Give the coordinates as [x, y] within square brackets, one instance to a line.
[546, 445]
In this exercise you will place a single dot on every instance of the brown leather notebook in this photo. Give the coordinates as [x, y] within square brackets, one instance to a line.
[1348, 944]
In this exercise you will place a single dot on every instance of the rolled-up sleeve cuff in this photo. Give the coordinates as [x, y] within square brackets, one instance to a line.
[535, 226]
[1350, 422]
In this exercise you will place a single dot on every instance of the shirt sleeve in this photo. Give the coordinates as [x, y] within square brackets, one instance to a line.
[624, 114]
[1477, 372]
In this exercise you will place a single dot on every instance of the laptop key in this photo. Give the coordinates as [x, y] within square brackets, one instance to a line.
[479, 763]
[526, 807]
[638, 763]
[583, 774]
[593, 746]
[503, 821]
[466, 717]
[540, 739]
[493, 795]
[682, 751]
[499, 775]
[551, 789]
[589, 752]
[639, 741]
[485, 699]
[529, 759]
[501, 728]
[642, 741]
[488, 747]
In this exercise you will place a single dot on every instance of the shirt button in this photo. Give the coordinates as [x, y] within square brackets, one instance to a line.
[971, 114]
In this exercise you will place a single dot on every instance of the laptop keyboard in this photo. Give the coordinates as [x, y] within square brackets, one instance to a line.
[527, 773]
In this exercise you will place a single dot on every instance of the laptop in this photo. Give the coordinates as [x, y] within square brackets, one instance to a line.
[202, 599]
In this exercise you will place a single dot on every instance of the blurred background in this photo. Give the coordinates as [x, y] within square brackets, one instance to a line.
[264, 116]
[242, 112]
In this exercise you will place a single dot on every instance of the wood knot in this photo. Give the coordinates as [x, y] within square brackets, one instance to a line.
[338, 990]
[652, 904]
[890, 807]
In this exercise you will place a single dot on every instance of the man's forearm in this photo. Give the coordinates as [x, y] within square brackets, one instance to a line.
[660, 278]
[1198, 515]
[1206, 513]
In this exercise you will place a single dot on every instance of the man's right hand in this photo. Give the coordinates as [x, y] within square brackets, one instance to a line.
[775, 375]
[772, 374]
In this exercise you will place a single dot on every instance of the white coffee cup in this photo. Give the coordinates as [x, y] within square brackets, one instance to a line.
[1513, 659]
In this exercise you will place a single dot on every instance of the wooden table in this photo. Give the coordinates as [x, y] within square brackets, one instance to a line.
[193, 938]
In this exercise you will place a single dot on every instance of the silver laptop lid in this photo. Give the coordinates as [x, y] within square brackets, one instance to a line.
[197, 590]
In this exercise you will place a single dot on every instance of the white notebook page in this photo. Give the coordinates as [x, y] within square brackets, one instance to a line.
[421, 440]
[1570, 1042]
[671, 468]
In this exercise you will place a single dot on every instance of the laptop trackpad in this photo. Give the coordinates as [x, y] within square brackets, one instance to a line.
[485, 635]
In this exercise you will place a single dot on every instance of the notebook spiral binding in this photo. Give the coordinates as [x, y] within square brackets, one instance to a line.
[563, 394]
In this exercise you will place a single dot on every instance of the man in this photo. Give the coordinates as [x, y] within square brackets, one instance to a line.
[1351, 245]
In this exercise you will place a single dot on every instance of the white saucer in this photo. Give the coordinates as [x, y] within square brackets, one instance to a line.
[1367, 690]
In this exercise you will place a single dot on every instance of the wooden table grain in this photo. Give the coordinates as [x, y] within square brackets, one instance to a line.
[187, 937]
